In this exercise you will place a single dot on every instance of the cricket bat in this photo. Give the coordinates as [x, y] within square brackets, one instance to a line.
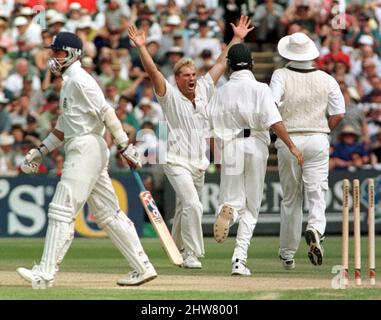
[158, 222]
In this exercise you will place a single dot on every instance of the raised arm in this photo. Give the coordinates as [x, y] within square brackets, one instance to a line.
[240, 31]
[139, 39]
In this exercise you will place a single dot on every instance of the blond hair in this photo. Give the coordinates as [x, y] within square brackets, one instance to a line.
[188, 62]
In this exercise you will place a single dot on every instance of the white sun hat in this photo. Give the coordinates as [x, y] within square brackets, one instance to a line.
[298, 47]
[20, 21]
[6, 139]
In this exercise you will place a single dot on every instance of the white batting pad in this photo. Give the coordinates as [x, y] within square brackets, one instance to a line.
[122, 233]
[60, 231]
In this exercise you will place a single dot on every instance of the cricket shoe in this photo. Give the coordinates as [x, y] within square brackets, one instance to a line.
[288, 263]
[316, 251]
[190, 260]
[135, 278]
[35, 277]
[222, 224]
[239, 268]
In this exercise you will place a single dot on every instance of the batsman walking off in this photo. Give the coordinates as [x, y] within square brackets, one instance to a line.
[80, 127]
[241, 113]
[186, 162]
[311, 105]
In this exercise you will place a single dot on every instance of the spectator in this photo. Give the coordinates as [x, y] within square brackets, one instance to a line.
[148, 111]
[7, 167]
[111, 94]
[5, 62]
[74, 15]
[173, 55]
[48, 113]
[114, 13]
[128, 116]
[203, 41]
[41, 56]
[57, 23]
[170, 29]
[33, 32]
[58, 160]
[364, 85]
[14, 82]
[355, 118]
[202, 15]
[348, 154]
[267, 17]
[301, 13]
[365, 52]
[5, 120]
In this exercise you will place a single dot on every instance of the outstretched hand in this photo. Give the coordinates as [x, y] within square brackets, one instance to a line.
[138, 37]
[242, 28]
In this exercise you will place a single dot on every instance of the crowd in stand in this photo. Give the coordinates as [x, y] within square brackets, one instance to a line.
[349, 43]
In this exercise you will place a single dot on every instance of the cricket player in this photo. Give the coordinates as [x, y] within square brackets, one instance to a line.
[80, 127]
[311, 105]
[186, 162]
[241, 112]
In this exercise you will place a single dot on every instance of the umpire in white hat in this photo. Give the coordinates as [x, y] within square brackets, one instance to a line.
[311, 105]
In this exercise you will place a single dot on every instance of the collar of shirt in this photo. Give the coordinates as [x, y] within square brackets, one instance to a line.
[71, 70]
[242, 74]
[300, 64]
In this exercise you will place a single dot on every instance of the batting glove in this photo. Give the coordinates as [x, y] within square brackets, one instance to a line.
[132, 156]
[33, 160]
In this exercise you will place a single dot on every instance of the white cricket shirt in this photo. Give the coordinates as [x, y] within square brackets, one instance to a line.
[243, 103]
[187, 126]
[81, 104]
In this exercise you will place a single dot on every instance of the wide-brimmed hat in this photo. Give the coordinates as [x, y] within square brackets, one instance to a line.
[348, 129]
[6, 139]
[298, 47]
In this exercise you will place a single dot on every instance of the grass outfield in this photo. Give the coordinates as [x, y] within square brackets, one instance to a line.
[91, 267]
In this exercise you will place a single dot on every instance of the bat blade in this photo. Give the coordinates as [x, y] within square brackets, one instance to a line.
[161, 228]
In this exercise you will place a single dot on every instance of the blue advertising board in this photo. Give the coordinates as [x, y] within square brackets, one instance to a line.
[24, 202]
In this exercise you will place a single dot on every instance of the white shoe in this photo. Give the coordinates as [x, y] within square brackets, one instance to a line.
[191, 261]
[288, 263]
[239, 268]
[222, 224]
[134, 278]
[315, 252]
[35, 277]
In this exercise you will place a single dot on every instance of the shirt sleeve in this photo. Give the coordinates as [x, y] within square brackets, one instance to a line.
[209, 85]
[270, 114]
[336, 103]
[167, 97]
[277, 86]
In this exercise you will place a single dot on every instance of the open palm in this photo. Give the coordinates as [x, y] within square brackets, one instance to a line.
[136, 36]
[242, 28]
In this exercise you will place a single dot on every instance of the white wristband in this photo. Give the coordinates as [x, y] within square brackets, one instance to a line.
[51, 142]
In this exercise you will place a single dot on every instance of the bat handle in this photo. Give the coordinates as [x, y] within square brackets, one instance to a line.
[138, 180]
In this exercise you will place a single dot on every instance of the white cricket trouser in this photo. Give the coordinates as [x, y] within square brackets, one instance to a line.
[313, 177]
[85, 178]
[187, 222]
[243, 169]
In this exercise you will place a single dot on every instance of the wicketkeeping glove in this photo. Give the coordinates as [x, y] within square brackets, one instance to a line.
[132, 156]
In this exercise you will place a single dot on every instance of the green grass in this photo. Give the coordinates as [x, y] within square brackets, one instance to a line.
[100, 256]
